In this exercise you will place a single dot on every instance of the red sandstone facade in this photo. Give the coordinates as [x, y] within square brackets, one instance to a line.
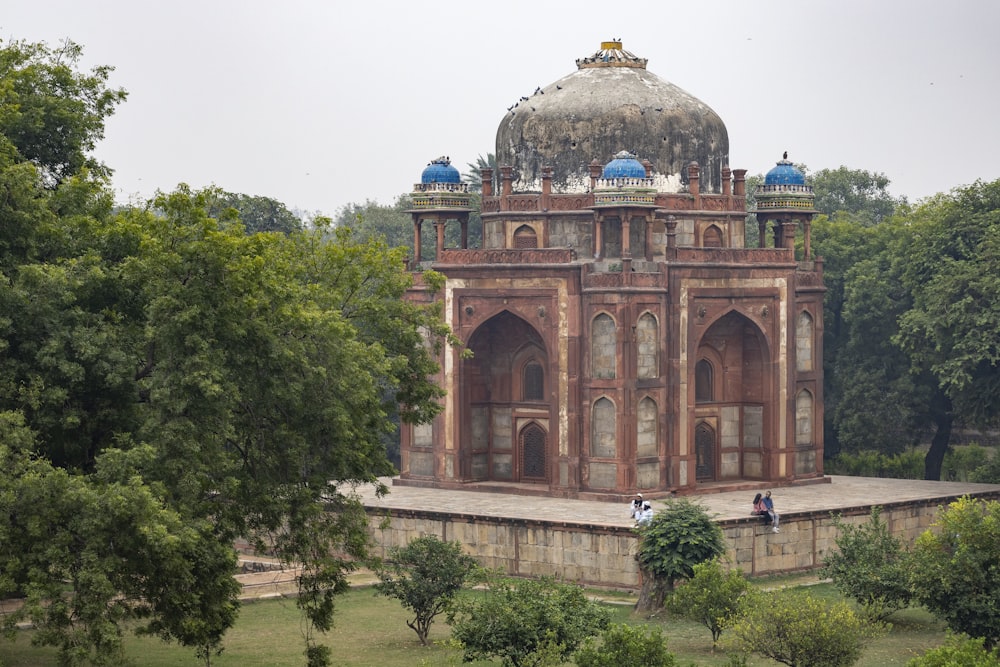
[624, 340]
[667, 362]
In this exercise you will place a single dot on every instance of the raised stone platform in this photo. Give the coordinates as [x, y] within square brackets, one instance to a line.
[593, 542]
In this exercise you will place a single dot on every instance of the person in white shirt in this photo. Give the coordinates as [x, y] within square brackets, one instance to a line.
[635, 506]
[645, 515]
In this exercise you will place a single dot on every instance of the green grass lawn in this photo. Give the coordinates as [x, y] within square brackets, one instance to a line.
[371, 630]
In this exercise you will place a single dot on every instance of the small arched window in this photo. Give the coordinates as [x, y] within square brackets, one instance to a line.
[533, 382]
[712, 237]
[703, 390]
[525, 237]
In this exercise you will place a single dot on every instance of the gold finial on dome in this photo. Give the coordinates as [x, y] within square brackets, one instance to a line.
[612, 55]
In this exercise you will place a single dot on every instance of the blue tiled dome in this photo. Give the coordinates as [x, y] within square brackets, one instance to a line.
[624, 166]
[440, 171]
[784, 173]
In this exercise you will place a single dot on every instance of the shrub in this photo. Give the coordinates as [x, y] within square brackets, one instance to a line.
[679, 537]
[523, 621]
[623, 645]
[956, 573]
[958, 651]
[424, 576]
[711, 597]
[870, 566]
[800, 631]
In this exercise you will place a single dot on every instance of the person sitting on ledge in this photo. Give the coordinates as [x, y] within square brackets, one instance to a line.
[635, 506]
[769, 507]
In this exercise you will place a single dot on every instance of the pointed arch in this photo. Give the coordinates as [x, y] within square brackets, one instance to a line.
[603, 346]
[604, 429]
[804, 417]
[647, 346]
[704, 381]
[532, 448]
[525, 237]
[647, 441]
[804, 342]
[712, 237]
[508, 359]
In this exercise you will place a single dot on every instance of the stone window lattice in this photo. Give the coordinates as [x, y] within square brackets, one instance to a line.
[533, 452]
[525, 237]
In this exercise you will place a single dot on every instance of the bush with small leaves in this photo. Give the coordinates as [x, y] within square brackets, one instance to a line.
[956, 573]
[679, 537]
[622, 645]
[524, 622]
[870, 566]
[711, 597]
[958, 651]
[800, 631]
[425, 576]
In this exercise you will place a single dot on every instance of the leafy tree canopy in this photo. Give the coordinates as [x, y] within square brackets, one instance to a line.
[956, 572]
[870, 566]
[798, 630]
[518, 620]
[169, 383]
[52, 113]
[258, 214]
[679, 537]
[425, 576]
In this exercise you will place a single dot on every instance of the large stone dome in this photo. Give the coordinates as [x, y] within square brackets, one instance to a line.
[609, 104]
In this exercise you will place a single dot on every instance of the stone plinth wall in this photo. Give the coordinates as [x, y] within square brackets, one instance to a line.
[604, 556]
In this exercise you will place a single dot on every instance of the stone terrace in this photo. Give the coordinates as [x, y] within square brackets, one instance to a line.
[592, 542]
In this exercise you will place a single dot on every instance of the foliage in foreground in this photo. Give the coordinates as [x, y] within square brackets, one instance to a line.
[622, 645]
[425, 576]
[798, 630]
[521, 620]
[711, 597]
[679, 537]
[170, 383]
[870, 566]
[956, 572]
[958, 651]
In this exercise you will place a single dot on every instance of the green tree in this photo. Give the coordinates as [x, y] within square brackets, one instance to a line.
[710, 597]
[623, 644]
[870, 566]
[125, 555]
[371, 219]
[425, 576]
[52, 113]
[958, 651]
[474, 175]
[798, 630]
[956, 573]
[256, 213]
[519, 620]
[862, 194]
[395, 225]
[679, 537]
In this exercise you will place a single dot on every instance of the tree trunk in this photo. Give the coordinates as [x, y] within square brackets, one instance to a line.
[939, 444]
[652, 594]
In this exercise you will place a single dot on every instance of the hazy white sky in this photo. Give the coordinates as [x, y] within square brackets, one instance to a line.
[320, 103]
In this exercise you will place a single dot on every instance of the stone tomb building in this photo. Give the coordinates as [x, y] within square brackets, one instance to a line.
[623, 338]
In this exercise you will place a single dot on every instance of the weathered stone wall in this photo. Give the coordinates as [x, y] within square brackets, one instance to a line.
[604, 556]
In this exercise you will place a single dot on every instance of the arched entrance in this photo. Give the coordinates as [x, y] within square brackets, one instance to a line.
[505, 407]
[734, 400]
